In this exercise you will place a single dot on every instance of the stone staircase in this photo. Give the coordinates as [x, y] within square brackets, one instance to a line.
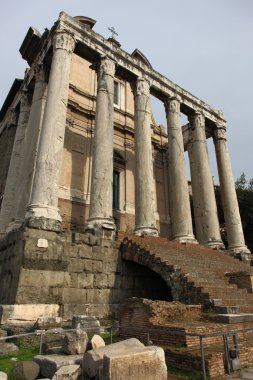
[202, 273]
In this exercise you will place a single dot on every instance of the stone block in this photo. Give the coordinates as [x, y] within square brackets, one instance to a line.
[26, 370]
[86, 322]
[145, 363]
[49, 364]
[99, 296]
[93, 359]
[234, 318]
[68, 372]
[97, 266]
[100, 281]
[3, 376]
[114, 281]
[8, 348]
[84, 252]
[76, 266]
[85, 280]
[48, 322]
[29, 312]
[52, 341]
[74, 295]
[96, 342]
[68, 310]
[75, 342]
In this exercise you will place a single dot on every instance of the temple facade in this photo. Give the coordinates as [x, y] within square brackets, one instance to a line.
[80, 149]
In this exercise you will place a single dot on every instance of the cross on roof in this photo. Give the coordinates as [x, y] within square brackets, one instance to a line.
[114, 33]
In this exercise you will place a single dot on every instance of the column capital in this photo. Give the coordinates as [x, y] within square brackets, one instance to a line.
[220, 133]
[64, 40]
[39, 73]
[172, 104]
[141, 87]
[24, 99]
[198, 119]
[106, 66]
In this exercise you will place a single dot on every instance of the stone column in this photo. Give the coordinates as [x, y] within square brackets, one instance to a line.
[145, 223]
[101, 218]
[42, 211]
[12, 187]
[204, 202]
[179, 200]
[29, 148]
[236, 242]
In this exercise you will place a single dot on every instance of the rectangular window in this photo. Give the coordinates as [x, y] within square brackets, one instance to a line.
[115, 192]
[116, 94]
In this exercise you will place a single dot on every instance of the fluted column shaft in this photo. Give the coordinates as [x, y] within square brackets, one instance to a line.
[102, 153]
[235, 236]
[12, 188]
[29, 147]
[42, 211]
[179, 201]
[145, 222]
[204, 202]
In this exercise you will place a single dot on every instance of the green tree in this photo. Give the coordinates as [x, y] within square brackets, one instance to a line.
[240, 183]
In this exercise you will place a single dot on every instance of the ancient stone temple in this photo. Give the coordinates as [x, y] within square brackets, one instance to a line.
[82, 158]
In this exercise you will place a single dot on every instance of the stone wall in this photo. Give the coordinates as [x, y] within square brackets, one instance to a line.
[83, 274]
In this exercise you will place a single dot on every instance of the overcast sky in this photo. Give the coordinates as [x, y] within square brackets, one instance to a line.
[205, 46]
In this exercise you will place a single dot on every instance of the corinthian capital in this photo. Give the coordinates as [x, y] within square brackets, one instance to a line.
[173, 104]
[39, 73]
[199, 120]
[64, 41]
[107, 66]
[142, 87]
[220, 133]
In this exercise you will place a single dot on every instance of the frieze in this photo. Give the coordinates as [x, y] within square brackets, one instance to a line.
[64, 41]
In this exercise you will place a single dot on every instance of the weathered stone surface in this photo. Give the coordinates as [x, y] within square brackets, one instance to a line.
[7, 348]
[3, 334]
[75, 342]
[52, 341]
[49, 364]
[29, 312]
[48, 322]
[26, 370]
[142, 363]
[97, 341]
[93, 359]
[3, 376]
[69, 372]
[87, 323]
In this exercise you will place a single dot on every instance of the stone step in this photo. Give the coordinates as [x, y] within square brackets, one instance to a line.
[227, 309]
[234, 318]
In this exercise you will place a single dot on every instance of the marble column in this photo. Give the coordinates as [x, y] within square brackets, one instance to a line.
[42, 212]
[100, 218]
[29, 148]
[145, 223]
[179, 200]
[12, 188]
[235, 236]
[204, 202]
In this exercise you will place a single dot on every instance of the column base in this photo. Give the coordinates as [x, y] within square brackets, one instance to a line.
[241, 253]
[146, 231]
[215, 244]
[43, 217]
[101, 227]
[185, 239]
